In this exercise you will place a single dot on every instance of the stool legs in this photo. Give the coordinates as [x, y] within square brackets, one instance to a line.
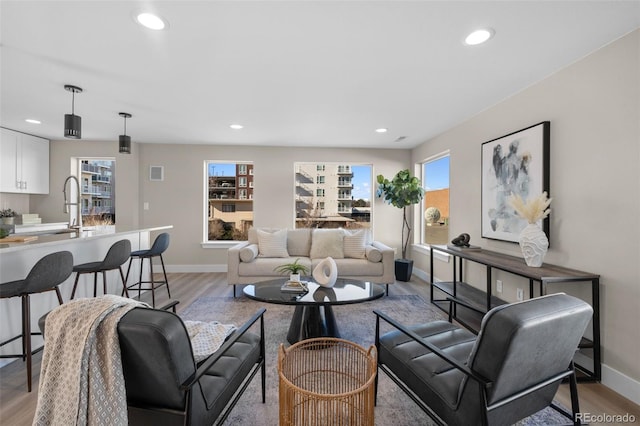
[152, 281]
[104, 283]
[25, 335]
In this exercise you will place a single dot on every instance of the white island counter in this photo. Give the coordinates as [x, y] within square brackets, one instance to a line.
[17, 259]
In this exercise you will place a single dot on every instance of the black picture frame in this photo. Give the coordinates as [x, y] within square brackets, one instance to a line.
[517, 163]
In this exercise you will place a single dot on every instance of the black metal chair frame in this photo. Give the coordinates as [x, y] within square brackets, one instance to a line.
[189, 384]
[484, 384]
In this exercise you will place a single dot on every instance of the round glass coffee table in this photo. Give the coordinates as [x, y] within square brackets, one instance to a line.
[313, 315]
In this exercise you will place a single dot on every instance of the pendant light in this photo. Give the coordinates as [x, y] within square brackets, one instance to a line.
[124, 140]
[72, 122]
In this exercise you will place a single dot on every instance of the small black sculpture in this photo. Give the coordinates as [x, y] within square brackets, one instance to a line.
[461, 240]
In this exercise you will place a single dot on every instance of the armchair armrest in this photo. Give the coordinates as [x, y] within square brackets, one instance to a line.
[206, 365]
[454, 363]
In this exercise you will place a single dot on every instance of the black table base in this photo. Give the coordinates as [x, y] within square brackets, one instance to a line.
[312, 321]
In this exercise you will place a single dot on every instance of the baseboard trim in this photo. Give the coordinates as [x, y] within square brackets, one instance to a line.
[621, 383]
[196, 268]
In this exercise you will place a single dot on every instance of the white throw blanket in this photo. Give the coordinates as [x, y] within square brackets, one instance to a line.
[81, 380]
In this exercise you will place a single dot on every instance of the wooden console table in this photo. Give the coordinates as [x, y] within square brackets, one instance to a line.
[484, 300]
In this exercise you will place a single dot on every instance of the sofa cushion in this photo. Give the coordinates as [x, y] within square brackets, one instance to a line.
[350, 267]
[327, 243]
[373, 254]
[265, 266]
[272, 244]
[248, 253]
[299, 242]
[354, 243]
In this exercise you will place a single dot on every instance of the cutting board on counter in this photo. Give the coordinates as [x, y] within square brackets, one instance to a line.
[18, 239]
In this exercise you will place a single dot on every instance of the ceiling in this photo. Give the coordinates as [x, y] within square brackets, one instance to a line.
[294, 73]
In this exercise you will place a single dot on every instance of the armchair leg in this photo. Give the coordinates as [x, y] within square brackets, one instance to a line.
[575, 404]
[377, 343]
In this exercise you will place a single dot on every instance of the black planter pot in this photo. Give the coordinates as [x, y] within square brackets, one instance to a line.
[404, 268]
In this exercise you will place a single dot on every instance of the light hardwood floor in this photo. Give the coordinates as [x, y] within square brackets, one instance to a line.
[17, 406]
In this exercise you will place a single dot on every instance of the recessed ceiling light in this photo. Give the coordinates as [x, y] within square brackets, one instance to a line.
[236, 126]
[479, 36]
[381, 130]
[151, 21]
[33, 121]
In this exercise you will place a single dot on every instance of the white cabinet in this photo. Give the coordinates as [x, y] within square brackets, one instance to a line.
[25, 163]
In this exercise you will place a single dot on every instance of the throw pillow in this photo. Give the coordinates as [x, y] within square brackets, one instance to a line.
[354, 243]
[373, 254]
[272, 244]
[327, 243]
[248, 253]
[299, 242]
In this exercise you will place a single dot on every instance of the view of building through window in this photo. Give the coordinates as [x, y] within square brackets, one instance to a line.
[98, 192]
[230, 200]
[435, 223]
[331, 195]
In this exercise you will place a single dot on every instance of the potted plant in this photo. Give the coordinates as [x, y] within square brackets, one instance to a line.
[402, 191]
[294, 269]
[7, 216]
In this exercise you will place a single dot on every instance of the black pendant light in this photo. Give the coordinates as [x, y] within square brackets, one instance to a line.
[124, 140]
[72, 122]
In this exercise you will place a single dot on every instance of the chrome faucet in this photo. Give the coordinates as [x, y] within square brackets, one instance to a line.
[78, 220]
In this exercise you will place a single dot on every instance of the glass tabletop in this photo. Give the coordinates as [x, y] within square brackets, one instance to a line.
[345, 291]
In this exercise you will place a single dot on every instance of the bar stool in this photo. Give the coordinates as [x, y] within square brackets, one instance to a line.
[49, 272]
[160, 245]
[116, 257]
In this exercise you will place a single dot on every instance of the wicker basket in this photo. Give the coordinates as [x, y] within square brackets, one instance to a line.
[326, 381]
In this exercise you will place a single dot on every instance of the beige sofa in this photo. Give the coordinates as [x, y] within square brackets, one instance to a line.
[255, 260]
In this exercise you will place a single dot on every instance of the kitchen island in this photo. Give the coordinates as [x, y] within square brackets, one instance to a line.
[17, 259]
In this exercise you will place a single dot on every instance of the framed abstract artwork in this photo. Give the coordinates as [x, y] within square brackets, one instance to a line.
[517, 163]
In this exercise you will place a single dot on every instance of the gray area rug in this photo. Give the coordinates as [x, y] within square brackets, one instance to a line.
[357, 324]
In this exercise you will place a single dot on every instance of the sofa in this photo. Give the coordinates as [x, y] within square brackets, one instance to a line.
[356, 256]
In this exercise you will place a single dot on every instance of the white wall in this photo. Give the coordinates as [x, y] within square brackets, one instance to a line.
[593, 106]
[178, 200]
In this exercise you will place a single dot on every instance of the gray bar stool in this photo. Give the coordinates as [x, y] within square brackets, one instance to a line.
[116, 257]
[49, 272]
[160, 245]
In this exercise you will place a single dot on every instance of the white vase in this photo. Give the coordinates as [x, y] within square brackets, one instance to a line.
[326, 273]
[534, 244]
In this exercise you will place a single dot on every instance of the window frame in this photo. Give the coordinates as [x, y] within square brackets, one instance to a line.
[241, 172]
[421, 241]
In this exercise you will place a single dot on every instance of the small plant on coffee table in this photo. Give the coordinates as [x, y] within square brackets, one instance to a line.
[294, 270]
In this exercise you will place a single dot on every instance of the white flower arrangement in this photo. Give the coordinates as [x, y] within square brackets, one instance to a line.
[533, 209]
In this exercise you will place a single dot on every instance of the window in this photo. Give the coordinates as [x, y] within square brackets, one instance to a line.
[435, 214]
[344, 200]
[229, 200]
[97, 190]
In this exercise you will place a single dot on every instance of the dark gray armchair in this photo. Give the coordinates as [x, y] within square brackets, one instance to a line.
[163, 383]
[509, 371]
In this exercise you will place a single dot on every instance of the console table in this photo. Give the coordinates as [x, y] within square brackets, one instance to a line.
[458, 290]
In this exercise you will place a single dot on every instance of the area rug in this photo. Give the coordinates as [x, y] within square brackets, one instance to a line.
[357, 324]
